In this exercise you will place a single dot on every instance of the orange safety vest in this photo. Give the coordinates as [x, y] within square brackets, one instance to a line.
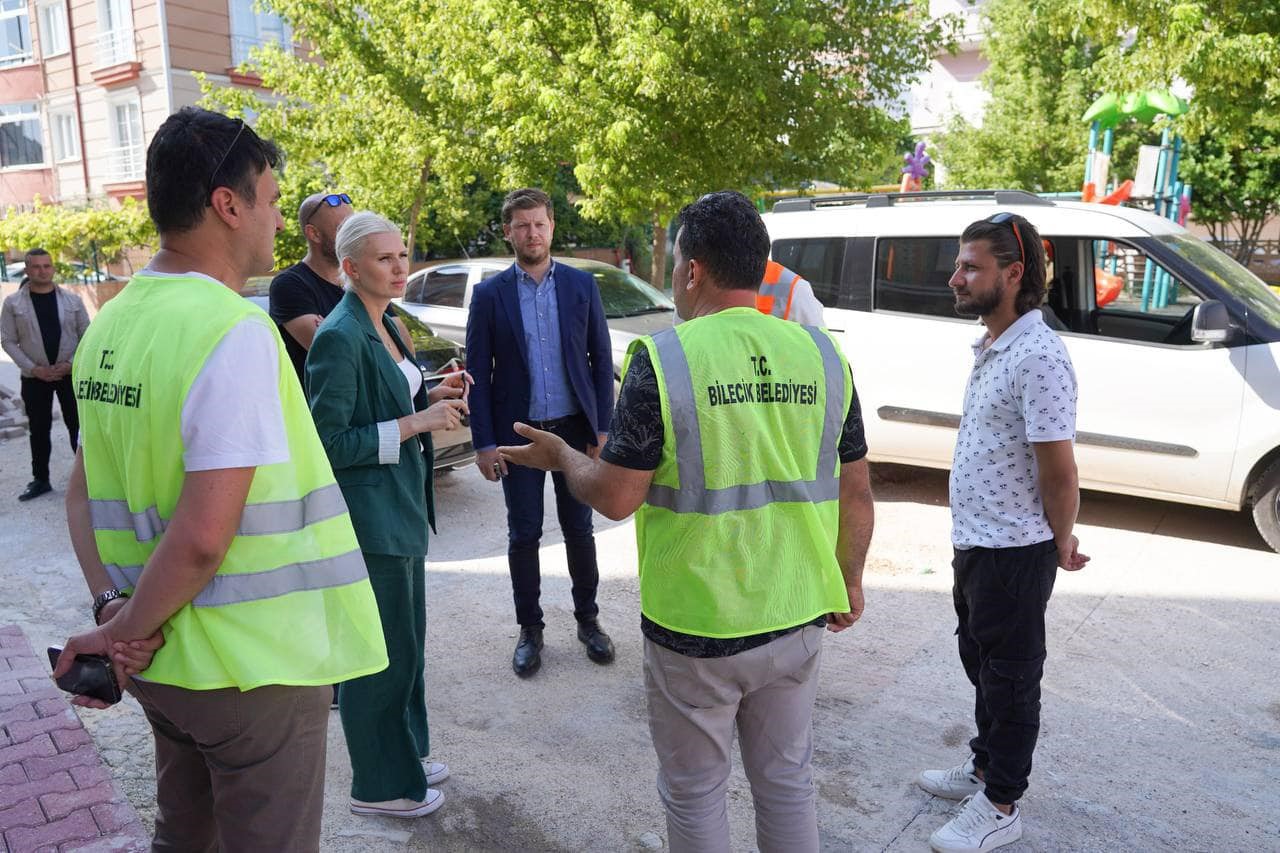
[774, 296]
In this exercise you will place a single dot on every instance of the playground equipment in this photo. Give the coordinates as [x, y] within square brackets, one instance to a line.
[914, 172]
[1156, 181]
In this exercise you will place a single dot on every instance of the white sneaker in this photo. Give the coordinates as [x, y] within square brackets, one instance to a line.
[400, 808]
[954, 784]
[436, 771]
[978, 827]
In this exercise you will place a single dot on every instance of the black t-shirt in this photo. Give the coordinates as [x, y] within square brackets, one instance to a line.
[635, 441]
[46, 306]
[295, 292]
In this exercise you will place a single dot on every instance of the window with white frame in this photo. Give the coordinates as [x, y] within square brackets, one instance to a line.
[53, 28]
[21, 137]
[66, 141]
[115, 32]
[126, 159]
[15, 33]
[252, 28]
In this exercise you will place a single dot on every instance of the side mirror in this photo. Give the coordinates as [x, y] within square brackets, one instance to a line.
[1211, 323]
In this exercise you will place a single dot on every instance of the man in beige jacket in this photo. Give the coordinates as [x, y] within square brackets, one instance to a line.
[40, 328]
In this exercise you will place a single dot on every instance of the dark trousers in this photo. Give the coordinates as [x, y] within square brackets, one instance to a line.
[384, 715]
[523, 489]
[237, 770]
[37, 398]
[1000, 597]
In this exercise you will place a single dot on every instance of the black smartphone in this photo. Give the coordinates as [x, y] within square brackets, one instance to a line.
[90, 675]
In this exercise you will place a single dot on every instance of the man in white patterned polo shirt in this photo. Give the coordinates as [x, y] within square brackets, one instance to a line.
[1014, 499]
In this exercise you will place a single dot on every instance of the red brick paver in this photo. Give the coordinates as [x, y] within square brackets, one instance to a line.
[55, 792]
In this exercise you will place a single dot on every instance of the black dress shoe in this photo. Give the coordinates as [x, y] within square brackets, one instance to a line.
[35, 489]
[599, 646]
[528, 656]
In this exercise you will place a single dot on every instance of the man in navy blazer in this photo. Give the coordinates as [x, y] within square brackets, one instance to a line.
[538, 347]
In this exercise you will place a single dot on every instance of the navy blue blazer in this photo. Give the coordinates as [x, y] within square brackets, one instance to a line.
[497, 354]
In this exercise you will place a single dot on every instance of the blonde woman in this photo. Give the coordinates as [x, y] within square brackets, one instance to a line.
[375, 417]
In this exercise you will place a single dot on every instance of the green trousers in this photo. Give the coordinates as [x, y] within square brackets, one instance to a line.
[384, 715]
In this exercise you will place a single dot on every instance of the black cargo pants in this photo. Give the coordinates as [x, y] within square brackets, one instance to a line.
[1000, 598]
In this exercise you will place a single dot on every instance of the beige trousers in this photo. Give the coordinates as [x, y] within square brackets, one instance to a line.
[695, 705]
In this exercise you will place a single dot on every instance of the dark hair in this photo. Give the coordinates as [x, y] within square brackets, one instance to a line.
[1007, 249]
[194, 152]
[31, 253]
[525, 199]
[724, 232]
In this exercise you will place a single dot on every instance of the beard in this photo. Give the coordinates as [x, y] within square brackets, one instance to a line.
[329, 249]
[532, 259]
[980, 306]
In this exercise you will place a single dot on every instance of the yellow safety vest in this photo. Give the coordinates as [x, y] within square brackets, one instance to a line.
[737, 535]
[291, 603]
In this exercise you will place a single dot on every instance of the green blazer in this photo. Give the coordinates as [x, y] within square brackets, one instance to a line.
[353, 386]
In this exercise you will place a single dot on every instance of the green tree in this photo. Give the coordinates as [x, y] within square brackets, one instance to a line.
[657, 101]
[1236, 187]
[1041, 80]
[651, 101]
[78, 233]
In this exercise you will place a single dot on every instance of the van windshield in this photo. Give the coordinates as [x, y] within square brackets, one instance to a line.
[1258, 299]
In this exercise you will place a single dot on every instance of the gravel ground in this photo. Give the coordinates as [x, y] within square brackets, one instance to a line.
[1161, 707]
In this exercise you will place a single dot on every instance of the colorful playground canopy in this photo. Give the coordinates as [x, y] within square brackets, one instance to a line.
[1111, 108]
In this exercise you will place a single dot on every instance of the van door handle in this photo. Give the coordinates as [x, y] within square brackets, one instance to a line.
[837, 331]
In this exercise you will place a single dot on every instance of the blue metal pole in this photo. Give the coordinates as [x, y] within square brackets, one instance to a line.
[1162, 172]
[1171, 207]
[1093, 146]
[1108, 141]
[1148, 276]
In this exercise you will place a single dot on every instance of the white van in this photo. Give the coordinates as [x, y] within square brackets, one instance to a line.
[1178, 367]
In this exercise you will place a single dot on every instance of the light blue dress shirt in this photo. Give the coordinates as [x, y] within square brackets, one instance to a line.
[550, 395]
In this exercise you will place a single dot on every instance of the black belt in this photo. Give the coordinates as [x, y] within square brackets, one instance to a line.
[555, 423]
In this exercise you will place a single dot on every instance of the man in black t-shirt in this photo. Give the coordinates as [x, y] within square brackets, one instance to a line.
[40, 328]
[305, 293]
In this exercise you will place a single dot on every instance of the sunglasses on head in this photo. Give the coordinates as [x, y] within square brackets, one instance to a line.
[1001, 219]
[333, 200]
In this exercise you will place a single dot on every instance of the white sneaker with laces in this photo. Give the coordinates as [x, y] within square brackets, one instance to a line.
[400, 808]
[978, 827]
[955, 784]
[436, 771]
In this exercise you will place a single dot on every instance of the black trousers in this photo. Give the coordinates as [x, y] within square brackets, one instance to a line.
[1000, 598]
[523, 490]
[37, 397]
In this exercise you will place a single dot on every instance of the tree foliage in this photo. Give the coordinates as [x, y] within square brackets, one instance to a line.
[1050, 60]
[75, 234]
[651, 102]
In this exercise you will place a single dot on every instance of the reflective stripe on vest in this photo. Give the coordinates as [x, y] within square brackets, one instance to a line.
[693, 495]
[774, 297]
[262, 519]
[237, 589]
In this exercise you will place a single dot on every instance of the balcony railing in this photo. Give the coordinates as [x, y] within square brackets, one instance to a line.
[126, 163]
[115, 47]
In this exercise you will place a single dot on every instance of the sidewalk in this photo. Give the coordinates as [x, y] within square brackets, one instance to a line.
[55, 793]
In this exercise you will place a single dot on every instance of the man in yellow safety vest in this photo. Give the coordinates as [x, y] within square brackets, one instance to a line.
[737, 441]
[205, 515]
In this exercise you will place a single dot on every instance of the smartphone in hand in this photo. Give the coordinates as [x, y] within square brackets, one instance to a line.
[90, 675]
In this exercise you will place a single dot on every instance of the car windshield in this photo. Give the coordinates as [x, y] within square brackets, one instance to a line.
[1235, 279]
[625, 295]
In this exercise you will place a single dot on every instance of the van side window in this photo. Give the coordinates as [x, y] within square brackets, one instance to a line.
[1135, 298]
[912, 275]
[819, 260]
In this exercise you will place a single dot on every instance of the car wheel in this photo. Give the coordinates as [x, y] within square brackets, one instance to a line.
[1266, 505]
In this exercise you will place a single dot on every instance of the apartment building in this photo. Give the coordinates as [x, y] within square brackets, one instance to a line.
[951, 87]
[85, 83]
